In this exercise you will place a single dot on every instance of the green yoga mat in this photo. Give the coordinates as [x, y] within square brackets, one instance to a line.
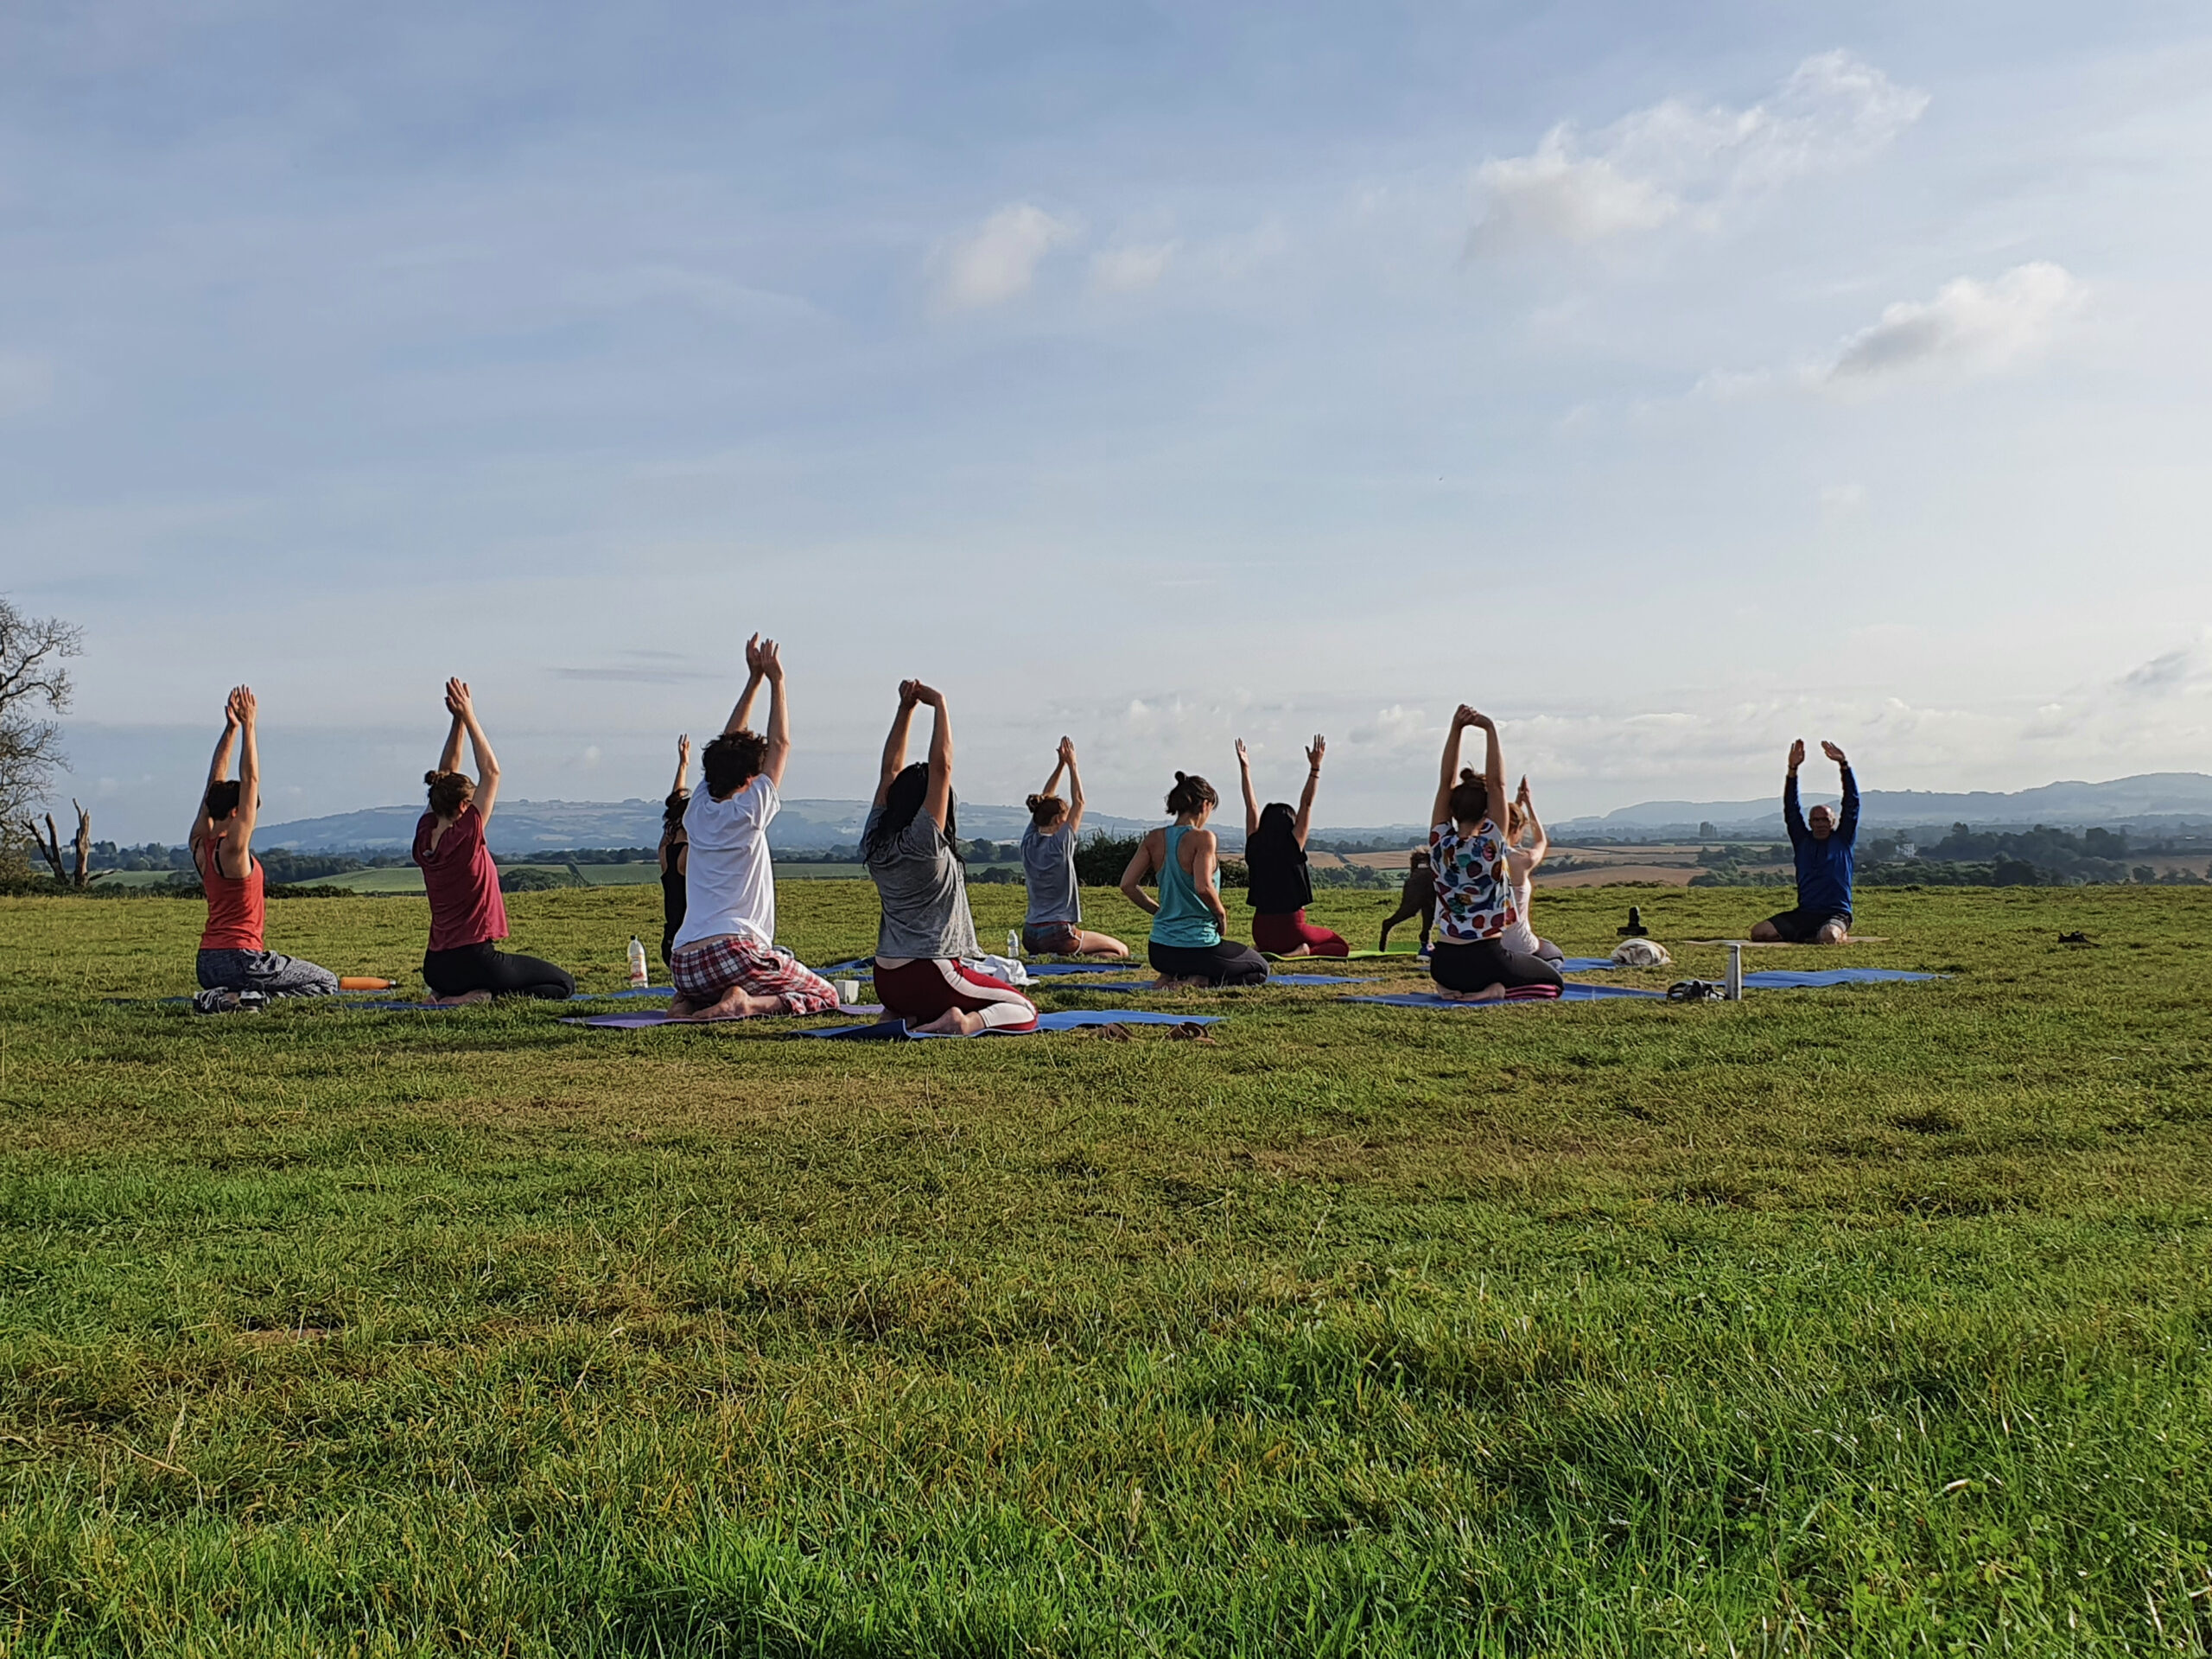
[1354, 956]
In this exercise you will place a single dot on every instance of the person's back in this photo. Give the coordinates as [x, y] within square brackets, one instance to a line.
[1182, 922]
[236, 908]
[1048, 867]
[461, 880]
[728, 878]
[234, 967]
[924, 890]
[1279, 879]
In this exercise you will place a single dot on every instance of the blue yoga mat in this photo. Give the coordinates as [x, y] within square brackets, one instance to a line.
[1587, 965]
[1048, 969]
[1273, 979]
[894, 1031]
[1571, 993]
[1784, 979]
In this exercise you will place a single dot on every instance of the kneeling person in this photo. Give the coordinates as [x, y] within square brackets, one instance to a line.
[927, 937]
[1823, 846]
[467, 912]
[1473, 961]
[233, 969]
[725, 961]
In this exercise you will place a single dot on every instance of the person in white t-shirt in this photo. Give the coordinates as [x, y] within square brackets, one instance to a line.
[725, 961]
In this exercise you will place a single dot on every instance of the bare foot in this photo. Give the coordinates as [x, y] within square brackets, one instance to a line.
[681, 1007]
[1832, 934]
[734, 1004]
[953, 1022]
[1765, 933]
[458, 1002]
[1488, 994]
[1304, 950]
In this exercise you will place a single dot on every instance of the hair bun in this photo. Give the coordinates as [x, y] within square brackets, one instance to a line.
[432, 776]
[1180, 778]
[1466, 774]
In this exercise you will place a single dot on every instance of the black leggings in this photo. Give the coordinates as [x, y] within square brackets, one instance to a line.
[480, 967]
[1226, 963]
[1478, 967]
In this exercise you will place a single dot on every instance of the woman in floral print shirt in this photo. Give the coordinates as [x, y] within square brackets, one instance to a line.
[1474, 891]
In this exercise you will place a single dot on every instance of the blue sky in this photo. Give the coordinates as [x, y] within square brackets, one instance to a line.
[1672, 381]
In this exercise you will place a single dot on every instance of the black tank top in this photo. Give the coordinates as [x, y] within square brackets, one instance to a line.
[1280, 882]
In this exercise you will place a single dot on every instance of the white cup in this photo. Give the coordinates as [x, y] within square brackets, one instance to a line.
[848, 991]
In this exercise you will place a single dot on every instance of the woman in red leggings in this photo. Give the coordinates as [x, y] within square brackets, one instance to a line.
[1274, 853]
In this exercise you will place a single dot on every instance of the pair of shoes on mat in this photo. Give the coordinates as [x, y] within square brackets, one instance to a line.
[1697, 990]
[1189, 1032]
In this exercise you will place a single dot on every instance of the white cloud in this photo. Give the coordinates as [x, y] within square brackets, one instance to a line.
[1969, 327]
[1555, 195]
[1129, 269]
[998, 260]
[1842, 500]
[1656, 164]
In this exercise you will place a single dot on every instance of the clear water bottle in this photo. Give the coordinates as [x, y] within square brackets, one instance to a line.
[638, 977]
[1013, 943]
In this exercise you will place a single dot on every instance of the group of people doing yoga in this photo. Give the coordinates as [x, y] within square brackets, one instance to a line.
[1472, 884]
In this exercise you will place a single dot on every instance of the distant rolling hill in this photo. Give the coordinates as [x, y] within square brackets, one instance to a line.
[524, 827]
[2149, 800]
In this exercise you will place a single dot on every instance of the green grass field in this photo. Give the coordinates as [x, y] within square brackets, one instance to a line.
[1872, 1320]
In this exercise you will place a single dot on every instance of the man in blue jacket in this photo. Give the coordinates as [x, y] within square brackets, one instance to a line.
[1823, 845]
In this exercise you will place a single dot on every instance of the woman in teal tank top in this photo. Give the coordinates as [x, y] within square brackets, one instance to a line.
[1187, 944]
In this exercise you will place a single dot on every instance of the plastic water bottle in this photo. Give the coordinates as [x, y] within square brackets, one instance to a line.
[638, 976]
[1013, 943]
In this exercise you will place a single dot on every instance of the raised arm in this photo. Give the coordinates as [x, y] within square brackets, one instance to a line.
[449, 756]
[1493, 767]
[1846, 823]
[742, 715]
[218, 769]
[1541, 844]
[779, 750]
[1139, 867]
[938, 802]
[1060, 766]
[1447, 774]
[239, 844]
[487, 764]
[894, 745]
[1793, 819]
[683, 763]
[1075, 787]
[1251, 801]
[1303, 825]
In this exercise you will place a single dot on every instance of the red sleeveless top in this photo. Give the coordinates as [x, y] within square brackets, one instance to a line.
[234, 904]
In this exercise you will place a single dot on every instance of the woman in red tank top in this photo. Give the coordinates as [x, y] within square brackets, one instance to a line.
[234, 970]
[466, 909]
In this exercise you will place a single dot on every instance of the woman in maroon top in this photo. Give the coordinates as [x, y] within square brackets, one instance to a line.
[467, 912]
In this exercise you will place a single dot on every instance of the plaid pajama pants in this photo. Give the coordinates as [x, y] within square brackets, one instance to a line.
[703, 972]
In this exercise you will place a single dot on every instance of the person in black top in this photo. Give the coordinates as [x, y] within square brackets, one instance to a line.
[673, 843]
[1275, 855]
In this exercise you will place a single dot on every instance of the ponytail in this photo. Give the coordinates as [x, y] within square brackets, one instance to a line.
[1190, 794]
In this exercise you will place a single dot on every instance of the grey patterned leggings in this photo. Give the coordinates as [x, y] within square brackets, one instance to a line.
[264, 971]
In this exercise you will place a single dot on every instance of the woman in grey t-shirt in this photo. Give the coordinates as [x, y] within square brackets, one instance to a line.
[1053, 926]
[928, 938]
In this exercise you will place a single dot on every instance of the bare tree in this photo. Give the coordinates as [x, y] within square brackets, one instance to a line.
[34, 687]
[79, 873]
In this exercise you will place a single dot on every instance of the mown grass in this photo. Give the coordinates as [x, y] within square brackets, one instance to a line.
[1870, 1321]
